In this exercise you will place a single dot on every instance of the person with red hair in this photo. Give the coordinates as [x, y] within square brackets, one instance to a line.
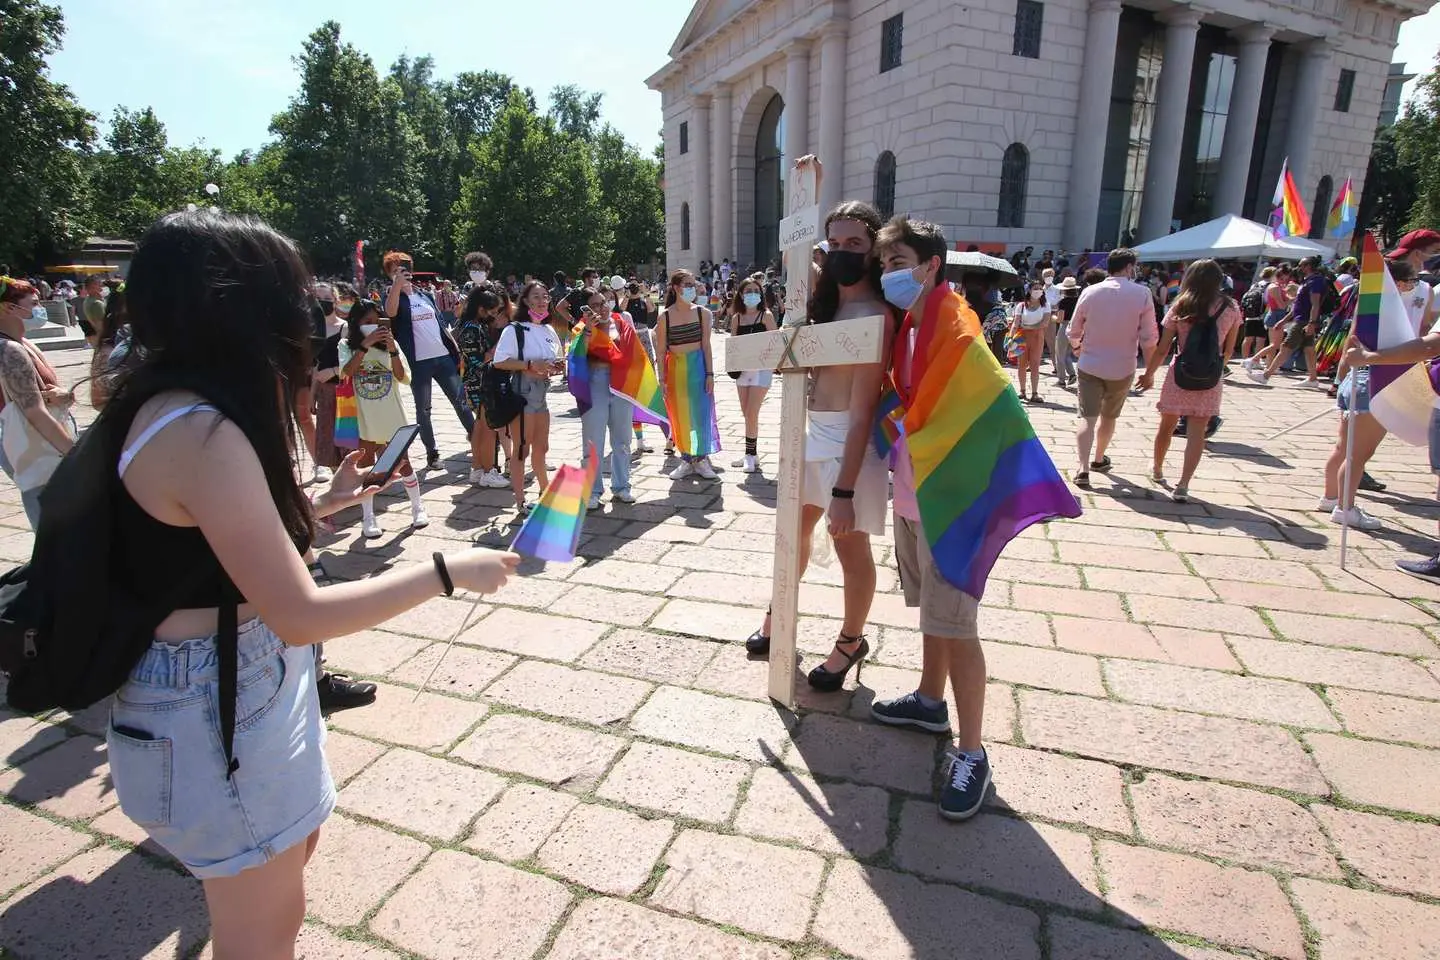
[35, 421]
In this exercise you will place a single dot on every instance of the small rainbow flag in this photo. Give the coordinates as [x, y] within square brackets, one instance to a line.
[631, 376]
[552, 531]
[1289, 218]
[1401, 395]
[347, 415]
[981, 474]
[1342, 215]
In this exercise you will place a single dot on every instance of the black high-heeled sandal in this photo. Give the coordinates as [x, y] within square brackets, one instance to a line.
[758, 642]
[827, 682]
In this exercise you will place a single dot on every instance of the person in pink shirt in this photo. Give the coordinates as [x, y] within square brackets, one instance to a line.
[1113, 320]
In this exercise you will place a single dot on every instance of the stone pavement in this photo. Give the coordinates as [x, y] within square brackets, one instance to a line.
[1208, 741]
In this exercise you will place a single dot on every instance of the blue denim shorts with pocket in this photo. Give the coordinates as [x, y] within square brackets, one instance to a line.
[167, 759]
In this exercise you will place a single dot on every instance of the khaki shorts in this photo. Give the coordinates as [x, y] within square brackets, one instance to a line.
[945, 610]
[1102, 398]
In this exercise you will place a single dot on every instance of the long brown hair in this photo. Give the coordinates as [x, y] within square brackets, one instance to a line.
[737, 299]
[1204, 283]
[678, 279]
[825, 298]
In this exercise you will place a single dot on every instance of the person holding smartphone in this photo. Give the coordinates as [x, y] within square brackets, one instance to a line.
[530, 348]
[607, 412]
[369, 358]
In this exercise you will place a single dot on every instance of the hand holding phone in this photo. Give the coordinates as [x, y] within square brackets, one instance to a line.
[389, 460]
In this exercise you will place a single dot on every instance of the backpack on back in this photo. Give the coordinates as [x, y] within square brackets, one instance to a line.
[1253, 303]
[1199, 365]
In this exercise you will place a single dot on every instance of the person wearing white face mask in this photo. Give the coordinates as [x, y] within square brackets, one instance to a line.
[748, 315]
[686, 371]
[479, 266]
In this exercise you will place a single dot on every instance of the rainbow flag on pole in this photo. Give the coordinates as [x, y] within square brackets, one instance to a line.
[1401, 395]
[1289, 218]
[552, 531]
[981, 474]
[1342, 215]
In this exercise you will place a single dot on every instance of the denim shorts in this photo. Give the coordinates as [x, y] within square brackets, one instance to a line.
[534, 391]
[1435, 441]
[1272, 317]
[167, 760]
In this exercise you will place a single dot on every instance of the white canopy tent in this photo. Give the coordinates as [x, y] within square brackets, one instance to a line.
[1230, 238]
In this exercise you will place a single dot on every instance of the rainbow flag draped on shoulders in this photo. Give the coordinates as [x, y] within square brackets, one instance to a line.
[631, 375]
[981, 474]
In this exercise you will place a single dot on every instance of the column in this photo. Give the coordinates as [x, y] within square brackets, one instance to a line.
[722, 177]
[1172, 105]
[700, 206]
[1087, 158]
[832, 114]
[1236, 154]
[1305, 107]
[797, 104]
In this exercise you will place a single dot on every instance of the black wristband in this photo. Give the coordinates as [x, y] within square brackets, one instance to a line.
[444, 574]
[840, 493]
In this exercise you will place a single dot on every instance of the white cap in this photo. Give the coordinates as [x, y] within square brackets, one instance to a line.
[617, 282]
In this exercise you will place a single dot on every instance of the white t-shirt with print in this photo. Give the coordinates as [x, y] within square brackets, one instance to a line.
[1417, 302]
[426, 328]
[541, 343]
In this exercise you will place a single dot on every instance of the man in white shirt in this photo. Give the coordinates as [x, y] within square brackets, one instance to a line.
[1052, 300]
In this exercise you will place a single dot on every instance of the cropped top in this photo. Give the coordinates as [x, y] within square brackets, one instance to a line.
[682, 334]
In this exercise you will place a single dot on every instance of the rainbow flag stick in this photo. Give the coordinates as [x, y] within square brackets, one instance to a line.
[551, 532]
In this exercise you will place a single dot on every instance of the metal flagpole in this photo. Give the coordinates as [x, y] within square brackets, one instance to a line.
[1302, 423]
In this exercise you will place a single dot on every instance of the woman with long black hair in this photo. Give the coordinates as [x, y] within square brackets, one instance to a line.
[748, 314]
[485, 314]
[208, 515]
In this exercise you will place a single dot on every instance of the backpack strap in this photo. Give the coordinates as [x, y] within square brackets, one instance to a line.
[227, 638]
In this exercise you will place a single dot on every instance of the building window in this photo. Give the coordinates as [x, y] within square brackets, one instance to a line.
[1345, 90]
[891, 40]
[684, 138]
[684, 226]
[1014, 177]
[885, 184]
[1029, 16]
[1320, 213]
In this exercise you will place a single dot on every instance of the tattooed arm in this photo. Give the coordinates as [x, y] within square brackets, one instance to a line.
[22, 388]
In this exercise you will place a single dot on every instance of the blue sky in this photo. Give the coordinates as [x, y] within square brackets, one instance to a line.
[218, 70]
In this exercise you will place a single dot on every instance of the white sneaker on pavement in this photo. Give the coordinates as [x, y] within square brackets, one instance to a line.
[750, 464]
[1259, 376]
[624, 496]
[419, 519]
[682, 472]
[705, 471]
[495, 480]
[1327, 504]
[1357, 518]
[370, 529]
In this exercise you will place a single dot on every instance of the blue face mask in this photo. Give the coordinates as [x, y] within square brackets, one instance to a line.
[752, 300]
[687, 294]
[901, 288]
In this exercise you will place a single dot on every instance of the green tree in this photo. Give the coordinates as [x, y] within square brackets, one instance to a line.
[1389, 191]
[44, 135]
[348, 156]
[630, 190]
[247, 184]
[1417, 149]
[532, 198]
[138, 177]
[574, 111]
[423, 105]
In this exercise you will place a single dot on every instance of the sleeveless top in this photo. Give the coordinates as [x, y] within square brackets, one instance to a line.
[1030, 319]
[757, 327]
[684, 334]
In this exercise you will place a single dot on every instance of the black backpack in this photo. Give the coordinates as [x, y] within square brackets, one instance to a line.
[58, 652]
[1253, 303]
[1199, 365]
[500, 389]
[1329, 299]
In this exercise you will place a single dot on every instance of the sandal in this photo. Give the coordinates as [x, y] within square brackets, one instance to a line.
[1157, 476]
[1101, 466]
[1180, 495]
[827, 682]
[1081, 478]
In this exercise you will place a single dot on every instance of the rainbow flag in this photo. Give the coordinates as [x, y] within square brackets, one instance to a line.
[1342, 215]
[690, 407]
[552, 530]
[632, 378]
[1401, 395]
[347, 415]
[1289, 218]
[981, 474]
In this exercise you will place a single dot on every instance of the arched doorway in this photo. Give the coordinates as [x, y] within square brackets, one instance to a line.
[769, 181]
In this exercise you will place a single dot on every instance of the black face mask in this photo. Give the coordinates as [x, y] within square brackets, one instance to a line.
[846, 267]
[327, 307]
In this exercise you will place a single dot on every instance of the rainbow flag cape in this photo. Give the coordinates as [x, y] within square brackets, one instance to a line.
[632, 378]
[552, 530]
[1401, 395]
[1289, 218]
[347, 415]
[1342, 215]
[981, 474]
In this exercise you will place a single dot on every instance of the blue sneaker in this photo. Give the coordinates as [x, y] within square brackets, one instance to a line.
[966, 781]
[908, 711]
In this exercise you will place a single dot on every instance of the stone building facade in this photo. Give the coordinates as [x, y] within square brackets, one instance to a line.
[1067, 124]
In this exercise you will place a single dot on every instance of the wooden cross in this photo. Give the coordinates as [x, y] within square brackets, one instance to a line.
[790, 351]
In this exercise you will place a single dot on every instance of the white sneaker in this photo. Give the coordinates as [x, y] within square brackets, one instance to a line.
[370, 529]
[705, 471]
[1247, 364]
[323, 475]
[681, 472]
[1259, 376]
[495, 480]
[624, 496]
[1327, 504]
[594, 502]
[1357, 518]
[419, 519]
[751, 464]
[642, 447]
[477, 478]
[738, 462]
[1312, 385]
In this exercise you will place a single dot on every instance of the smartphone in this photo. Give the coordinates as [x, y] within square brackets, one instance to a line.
[389, 461]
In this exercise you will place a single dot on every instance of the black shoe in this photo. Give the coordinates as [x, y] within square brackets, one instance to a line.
[827, 682]
[339, 692]
[432, 459]
[1213, 426]
[1426, 569]
[1179, 430]
[1101, 466]
[1368, 482]
[758, 644]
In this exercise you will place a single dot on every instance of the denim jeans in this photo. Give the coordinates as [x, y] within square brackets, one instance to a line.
[607, 412]
[439, 370]
[1064, 356]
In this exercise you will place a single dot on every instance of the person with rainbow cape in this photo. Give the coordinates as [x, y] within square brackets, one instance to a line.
[970, 475]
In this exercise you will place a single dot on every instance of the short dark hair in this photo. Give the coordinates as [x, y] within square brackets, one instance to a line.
[475, 260]
[1400, 270]
[1121, 258]
[1092, 276]
[922, 236]
[559, 278]
[589, 272]
[1312, 261]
